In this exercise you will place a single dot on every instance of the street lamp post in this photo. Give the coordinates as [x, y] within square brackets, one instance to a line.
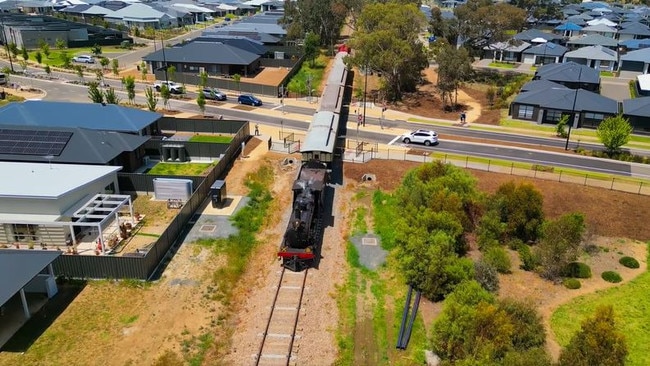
[573, 110]
[162, 42]
[365, 91]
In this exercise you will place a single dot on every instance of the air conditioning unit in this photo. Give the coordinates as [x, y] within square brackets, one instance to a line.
[146, 160]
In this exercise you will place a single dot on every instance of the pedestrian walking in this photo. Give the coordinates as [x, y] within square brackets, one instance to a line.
[257, 129]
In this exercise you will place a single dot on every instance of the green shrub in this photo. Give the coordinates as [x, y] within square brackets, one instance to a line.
[611, 276]
[498, 258]
[529, 260]
[629, 262]
[486, 275]
[571, 283]
[577, 270]
[515, 244]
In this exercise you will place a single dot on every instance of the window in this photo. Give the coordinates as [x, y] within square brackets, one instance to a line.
[595, 116]
[525, 112]
[553, 115]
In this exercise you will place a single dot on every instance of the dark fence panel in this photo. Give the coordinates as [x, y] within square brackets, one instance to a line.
[85, 266]
[101, 42]
[203, 125]
[194, 150]
[136, 182]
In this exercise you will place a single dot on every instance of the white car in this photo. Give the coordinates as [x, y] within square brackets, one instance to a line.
[174, 88]
[86, 59]
[425, 137]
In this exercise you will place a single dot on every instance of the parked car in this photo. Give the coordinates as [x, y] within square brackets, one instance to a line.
[86, 59]
[214, 94]
[249, 99]
[421, 136]
[173, 87]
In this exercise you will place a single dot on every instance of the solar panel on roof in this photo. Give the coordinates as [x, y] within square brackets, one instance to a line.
[25, 142]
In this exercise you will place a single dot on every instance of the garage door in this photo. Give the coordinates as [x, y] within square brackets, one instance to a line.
[636, 66]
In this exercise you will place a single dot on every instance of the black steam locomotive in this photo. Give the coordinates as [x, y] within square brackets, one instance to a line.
[300, 246]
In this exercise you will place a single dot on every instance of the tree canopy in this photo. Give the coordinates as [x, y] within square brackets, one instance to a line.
[323, 18]
[386, 41]
[614, 132]
[482, 22]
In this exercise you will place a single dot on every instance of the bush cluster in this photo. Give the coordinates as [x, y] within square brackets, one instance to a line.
[629, 262]
[486, 275]
[577, 270]
[611, 276]
[571, 283]
[498, 258]
[529, 261]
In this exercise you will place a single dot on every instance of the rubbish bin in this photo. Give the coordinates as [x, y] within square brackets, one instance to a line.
[218, 193]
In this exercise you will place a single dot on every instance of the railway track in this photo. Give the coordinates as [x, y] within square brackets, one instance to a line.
[278, 338]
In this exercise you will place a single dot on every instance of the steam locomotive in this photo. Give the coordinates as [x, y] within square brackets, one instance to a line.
[300, 245]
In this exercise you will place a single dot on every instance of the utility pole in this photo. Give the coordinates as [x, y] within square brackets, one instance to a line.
[365, 91]
[162, 42]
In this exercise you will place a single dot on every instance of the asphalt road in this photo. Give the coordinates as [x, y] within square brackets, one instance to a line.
[61, 91]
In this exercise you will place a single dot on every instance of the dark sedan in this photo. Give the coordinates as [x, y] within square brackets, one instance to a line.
[249, 100]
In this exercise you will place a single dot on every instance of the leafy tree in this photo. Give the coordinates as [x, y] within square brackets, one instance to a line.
[321, 17]
[203, 79]
[527, 321]
[454, 68]
[129, 85]
[45, 48]
[23, 65]
[597, 343]
[152, 99]
[48, 70]
[614, 132]
[498, 258]
[80, 72]
[99, 76]
[24, 53]
[94, 93]
[200, 101]
[491, 230]
[66, 59]
[482, 22]
[111, 96]
[143, 70]
[171, 72]
[96, 50]
[115, 66]
[60, 44]
[560, 243]
[103, 61]
[311, 49]
[237, 79]
[486, 275]
[560, 128]
[165, 94]
[387, 41]
[13, 48]
[520, 208]
[39, 57]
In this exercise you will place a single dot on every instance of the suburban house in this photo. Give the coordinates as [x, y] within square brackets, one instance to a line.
[540, 85]
[545, 53]
[241, 42]
[568, 29]
[65, 145]
[633, 30]
[591, 40]
[570, 75]
[636, 61]
[633, 45]
[530, 34]
[597, 57]
[549, 105]
[60, 205]
[93, 116]
[215, 58]
[27, 282]
[637, 111]
[601, 29]
[141, 16]
[506, 51]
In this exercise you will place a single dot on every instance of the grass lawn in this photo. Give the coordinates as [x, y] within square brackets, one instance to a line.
[55, 54]
[503, 65]
[212, 139]
[630, 302]
[298, 83]
[190, 169]
[607, 73]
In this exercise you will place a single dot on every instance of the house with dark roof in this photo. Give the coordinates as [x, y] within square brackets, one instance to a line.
[65, 145]
[506, 51]
[215, 58]
[545, 53]
[93, 116]
[535, 85]
[530, 34]
[571, 75]
[637, 111]
[568, 29]
[241, 42]
[591, 40]
[633, 30]
[584, 108]
[637, 61]
[597, 57]
[601, 29]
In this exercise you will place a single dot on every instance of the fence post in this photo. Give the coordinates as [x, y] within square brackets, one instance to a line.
[489, 161]
[640, 186]
[586, 175]
[612, 186]
[445, 158]
[404, 155]
[466, 160]
[512, 167]
[534, 171]
[560, 178]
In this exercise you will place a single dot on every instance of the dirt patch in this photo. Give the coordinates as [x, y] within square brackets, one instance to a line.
[269, 76]
[243, 107]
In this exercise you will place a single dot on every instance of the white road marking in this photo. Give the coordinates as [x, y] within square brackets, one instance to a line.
[394, 140]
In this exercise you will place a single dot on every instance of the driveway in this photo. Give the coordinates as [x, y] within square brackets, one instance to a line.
[615, 88]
